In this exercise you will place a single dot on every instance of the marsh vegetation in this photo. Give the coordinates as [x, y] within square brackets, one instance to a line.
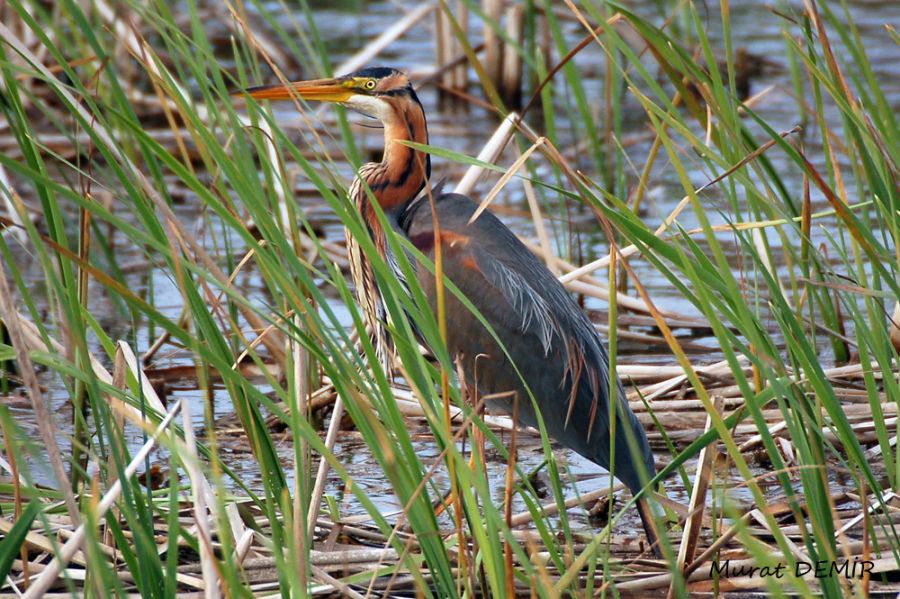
[188, 401]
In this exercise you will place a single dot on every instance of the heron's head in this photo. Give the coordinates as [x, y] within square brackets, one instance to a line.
[375, 92]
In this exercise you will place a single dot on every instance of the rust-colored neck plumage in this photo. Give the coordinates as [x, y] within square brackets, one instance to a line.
[402, 172]
[394, 182]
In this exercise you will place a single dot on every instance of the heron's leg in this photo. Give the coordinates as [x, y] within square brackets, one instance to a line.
[650, 529]
[470, 395]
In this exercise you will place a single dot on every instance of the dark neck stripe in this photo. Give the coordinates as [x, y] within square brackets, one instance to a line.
[394, 92]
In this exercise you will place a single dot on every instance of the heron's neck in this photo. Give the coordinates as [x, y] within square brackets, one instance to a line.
[403, 171]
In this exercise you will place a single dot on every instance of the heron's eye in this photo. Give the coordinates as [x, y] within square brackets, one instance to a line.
[370, 84]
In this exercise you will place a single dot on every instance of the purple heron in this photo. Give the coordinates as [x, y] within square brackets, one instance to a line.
[547, 337]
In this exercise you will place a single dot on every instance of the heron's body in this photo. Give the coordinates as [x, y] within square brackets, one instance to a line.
[551, 348]
[552, 351]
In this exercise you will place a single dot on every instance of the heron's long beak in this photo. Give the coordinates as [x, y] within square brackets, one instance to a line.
[323, 90]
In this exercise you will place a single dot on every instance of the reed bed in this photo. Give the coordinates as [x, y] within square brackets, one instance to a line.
[164, 255]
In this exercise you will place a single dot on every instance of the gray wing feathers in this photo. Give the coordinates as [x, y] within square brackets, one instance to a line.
[508, 266]
[534, 303]
[536, 316]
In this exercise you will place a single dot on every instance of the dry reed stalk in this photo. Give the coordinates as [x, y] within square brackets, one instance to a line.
[192, 582]
[876, 451]
[163, 338]
[854, 371]
[507, 176]
[281, 193]
[321, 397]
[337, 585]
[756, 440]
[35, 342]
[649, 340]
[664, 406]
[70, 145]
[442, 49]
[131, 41]
[697, 504]
[510, 82]
[540, 228]
[315, 501]
[759, 515]
[242, 534]
[352, 556]
[551, 508]
[261, 336]
[200, 505]
[460, 78]
[493, 45]
[458, 62]
[365, 535]
[409, 406]
[719, 371]
[73, 545]
[694, 572]
[452, 75]
[121, 409]
[41, 543]
[65, 534]
[628, 302]
[658, 373]
[147, 390]
[335, 252]
[488, 154]
[690, 420]
[13, 471]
